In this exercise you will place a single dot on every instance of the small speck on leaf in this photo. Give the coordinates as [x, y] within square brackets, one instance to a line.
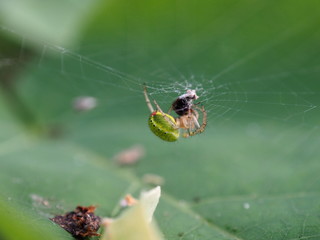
[38, 200]
[231, 229]
[153, 179]
[246, 205]
[84, 103]
[129, 156]
[128, 200]
[196, 199]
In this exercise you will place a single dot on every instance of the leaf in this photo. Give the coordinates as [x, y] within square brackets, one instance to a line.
[13, 226]
[253, 174]
[58, 22]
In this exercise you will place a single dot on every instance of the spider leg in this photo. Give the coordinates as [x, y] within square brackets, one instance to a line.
[204, 121]
[195, 121]
[190, 123]
[197, 103]
[195, 113]
[158, 107]
[175, 126]
[203, 125]
[195, 117]
[186, 122]
[147, 99]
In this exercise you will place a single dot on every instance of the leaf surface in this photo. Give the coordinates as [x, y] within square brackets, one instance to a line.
[254, 172]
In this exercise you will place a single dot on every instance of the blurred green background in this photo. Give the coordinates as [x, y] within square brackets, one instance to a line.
[254, 172]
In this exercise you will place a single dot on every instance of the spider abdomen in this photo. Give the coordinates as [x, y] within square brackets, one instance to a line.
[161, 127]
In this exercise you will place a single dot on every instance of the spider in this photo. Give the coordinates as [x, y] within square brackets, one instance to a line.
[167, 127]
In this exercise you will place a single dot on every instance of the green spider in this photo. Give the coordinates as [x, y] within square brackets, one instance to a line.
[167, 127]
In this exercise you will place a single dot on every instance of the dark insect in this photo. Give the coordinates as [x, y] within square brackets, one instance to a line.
[183, 104]
[80, 223]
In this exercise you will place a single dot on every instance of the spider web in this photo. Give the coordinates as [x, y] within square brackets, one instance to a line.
[280, 96]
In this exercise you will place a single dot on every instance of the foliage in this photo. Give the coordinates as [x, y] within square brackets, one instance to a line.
[253, 174]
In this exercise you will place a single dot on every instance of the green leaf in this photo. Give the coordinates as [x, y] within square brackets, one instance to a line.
[57, 22]
[254, 172]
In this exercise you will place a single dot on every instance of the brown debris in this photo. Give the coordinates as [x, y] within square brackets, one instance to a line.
[80, 223]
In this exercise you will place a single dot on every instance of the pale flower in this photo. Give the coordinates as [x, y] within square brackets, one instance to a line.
[136, 222]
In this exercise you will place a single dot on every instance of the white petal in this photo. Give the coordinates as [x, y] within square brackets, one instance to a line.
[132, 225]
[149, 201]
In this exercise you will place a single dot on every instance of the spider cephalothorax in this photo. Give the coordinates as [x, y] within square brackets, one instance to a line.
[167, 128]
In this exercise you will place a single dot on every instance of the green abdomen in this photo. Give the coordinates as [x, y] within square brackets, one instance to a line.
[160, 126]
